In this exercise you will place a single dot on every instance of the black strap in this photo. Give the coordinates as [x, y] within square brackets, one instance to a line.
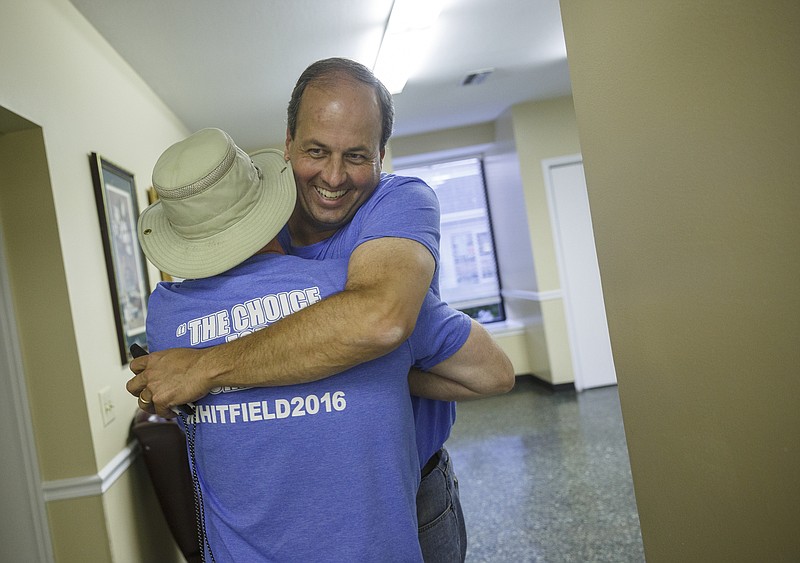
[199, 509]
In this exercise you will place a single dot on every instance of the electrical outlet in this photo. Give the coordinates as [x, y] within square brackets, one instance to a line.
[107, 406]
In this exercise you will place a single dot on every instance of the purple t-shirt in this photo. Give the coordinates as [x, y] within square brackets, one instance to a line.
[402, 207]
[321, 471]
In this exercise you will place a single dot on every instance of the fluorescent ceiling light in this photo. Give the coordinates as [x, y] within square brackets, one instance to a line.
[405, 41]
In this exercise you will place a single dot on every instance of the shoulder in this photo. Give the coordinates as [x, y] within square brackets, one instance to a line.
[400, 192]
[390, 183]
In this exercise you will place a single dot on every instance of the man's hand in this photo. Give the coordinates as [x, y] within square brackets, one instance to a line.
[167, 379]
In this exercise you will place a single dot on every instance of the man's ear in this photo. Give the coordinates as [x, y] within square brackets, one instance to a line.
[288, 145]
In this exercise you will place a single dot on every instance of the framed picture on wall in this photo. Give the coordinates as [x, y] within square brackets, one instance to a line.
[115, 194]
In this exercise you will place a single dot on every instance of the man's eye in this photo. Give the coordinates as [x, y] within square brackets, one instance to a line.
[356, 157]
[316, 153]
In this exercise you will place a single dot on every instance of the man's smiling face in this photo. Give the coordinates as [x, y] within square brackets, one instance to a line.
[336, 156]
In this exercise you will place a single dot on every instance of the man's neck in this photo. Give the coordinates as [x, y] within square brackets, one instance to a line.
[301, 235]
[272, 247]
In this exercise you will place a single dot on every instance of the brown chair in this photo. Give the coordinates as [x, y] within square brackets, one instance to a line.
[163, 445]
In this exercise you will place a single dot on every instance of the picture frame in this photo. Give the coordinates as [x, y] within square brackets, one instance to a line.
[118, 212]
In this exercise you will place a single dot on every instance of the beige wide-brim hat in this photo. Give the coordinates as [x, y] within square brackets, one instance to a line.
[216, 205]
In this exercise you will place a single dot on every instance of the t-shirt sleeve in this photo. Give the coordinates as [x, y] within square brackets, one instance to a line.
[405, 207]
[439, 333]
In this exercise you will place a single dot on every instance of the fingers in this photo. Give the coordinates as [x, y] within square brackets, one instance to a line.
[145, 397]
[163, 380]
[149, 404]
[135, 386]
[165, 412]
[138, 365]
[145, 400]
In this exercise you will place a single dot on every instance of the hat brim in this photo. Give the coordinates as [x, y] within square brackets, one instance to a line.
[201, 258]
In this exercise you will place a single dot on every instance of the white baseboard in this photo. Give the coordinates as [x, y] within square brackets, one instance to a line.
[91, 485]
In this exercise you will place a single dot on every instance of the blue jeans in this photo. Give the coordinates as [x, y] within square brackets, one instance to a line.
[442, 532]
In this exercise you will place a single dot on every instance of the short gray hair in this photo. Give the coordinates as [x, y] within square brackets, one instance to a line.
[330, 69]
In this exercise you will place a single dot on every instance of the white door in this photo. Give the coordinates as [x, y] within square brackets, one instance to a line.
[587, 325]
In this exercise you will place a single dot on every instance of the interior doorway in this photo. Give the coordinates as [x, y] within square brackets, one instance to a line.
[24, 535]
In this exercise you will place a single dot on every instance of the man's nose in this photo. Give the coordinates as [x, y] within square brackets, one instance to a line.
[334, 172]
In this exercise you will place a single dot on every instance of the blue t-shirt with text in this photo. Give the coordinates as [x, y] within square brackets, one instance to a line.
[321, 471]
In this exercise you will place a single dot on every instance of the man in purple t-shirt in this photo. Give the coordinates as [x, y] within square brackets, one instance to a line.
[339, 121]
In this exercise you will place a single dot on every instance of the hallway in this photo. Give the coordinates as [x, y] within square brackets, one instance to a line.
[545, 477]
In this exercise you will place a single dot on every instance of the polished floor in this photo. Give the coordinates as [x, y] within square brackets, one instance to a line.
[545, 477]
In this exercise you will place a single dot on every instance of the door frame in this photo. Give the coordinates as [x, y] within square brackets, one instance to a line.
[16, 403]
[577, 365]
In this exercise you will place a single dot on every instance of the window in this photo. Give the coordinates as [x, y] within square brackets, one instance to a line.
[468, 278]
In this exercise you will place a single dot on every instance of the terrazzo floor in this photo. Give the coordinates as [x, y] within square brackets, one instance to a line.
[545, 477]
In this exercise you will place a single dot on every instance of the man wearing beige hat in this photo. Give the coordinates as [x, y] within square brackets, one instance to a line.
[322, 471]
[339, 121]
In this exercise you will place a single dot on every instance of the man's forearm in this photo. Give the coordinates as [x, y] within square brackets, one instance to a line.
[328, 337]
[387, 282]
[377, 311]
[432, 386]
[479, 368]
[321, 340]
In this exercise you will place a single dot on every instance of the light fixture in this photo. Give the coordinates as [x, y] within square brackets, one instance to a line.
[476, 77]
[405, 41]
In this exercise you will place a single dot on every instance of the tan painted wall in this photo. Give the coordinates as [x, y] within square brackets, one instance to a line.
[543, 130]
[689, 124]
[78, 530]
[445, 140]
[38, 283]
[58, 73]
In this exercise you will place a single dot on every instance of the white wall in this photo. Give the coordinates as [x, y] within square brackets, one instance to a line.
[507, 204]
[526, 347]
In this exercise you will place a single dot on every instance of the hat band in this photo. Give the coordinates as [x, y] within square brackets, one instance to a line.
[204, 183]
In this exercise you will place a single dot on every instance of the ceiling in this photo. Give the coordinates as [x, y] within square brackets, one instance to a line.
[233, 64]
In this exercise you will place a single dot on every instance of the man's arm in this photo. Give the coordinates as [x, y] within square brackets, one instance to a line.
[387, 281]
[480, 368]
